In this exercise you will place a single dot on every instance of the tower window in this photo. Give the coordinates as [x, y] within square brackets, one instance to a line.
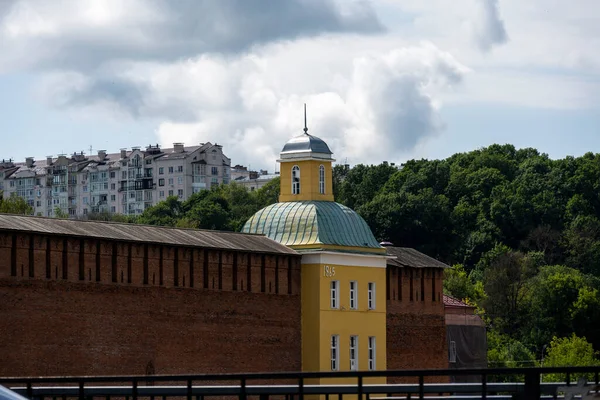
[371, 295]
[334, 294]
[353, 353]
[295, 179]
[334, 352]
[322, 179]
[372, 364]
[353, 302]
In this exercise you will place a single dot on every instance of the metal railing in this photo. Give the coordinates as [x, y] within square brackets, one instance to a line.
[369, 385]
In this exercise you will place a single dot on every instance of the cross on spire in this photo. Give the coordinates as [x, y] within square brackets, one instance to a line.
[305, 126]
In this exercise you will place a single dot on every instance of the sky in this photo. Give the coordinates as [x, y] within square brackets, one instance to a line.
[383, 80]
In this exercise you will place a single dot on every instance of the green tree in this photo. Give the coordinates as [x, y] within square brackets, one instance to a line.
[268, 194]
[15, 205]
[505, 284]
[59, 213]
[165, 213]
[570, 351]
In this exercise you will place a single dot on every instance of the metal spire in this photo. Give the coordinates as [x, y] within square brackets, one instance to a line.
[305, 126]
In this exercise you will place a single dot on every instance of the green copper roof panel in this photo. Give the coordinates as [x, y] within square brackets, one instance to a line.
[312, 222]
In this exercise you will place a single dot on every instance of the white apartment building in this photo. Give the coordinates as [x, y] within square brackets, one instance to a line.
[127, 182]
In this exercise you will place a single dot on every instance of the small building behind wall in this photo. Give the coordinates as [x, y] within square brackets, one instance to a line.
[466, 335]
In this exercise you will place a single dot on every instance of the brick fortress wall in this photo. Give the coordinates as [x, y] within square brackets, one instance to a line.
[80, 306]
[416, 329]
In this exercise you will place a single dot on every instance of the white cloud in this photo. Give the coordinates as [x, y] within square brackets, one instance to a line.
[238, 73]
[383, 109]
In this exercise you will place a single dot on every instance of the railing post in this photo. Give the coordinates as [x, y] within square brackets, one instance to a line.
[134, 393]
[483, 386]
[360, 387]
[189, 389]
[81, 391]
[301, 388]
[243, 389]
[532, 385]
[421, 387]
[29, 390]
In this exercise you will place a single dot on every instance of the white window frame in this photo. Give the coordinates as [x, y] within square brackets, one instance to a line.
[452, 352]
[353, 353]
[334, 288]
[295, 179]
[371, 296]
[335, 352]
[322, 179]
[372, 353]
[353, 295]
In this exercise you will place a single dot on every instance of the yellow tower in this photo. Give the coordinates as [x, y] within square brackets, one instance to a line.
[343, 265]
[306, 169]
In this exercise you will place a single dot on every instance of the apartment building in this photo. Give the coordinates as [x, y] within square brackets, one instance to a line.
[251, 180]
[127, 182]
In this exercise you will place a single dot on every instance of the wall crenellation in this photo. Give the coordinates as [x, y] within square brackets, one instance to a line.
[26, 256]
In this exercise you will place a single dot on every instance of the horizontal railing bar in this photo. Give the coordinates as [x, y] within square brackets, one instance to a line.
[309, 375]
[235, 390]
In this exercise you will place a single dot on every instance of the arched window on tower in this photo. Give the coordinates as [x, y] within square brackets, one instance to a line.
[295, 179]
[322, 179]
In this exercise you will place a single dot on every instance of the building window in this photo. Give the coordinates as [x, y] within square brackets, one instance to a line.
[170, 181]
[334, 294]
[113, 175]
[180, 168]
[161, 170]
[372, 360]
[180, 193]
[353, 300]
[295, 179]
[180, 180]
[170, 193]
[170, 170]
[322, 179]
[335, 352]
[162, 193]
[113, 197]
[161, 182]
[214, 170]
[371, 295]
[452, 351]
[353, 353]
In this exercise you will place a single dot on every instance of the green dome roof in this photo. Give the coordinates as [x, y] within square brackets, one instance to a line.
[299, 223]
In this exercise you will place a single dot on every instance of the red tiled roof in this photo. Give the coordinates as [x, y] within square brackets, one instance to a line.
[450, 301]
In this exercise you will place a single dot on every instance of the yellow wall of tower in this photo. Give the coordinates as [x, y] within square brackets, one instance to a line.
[320, 321]
[309, 181]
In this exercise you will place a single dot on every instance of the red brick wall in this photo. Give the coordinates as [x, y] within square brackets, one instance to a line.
[64, 328]
[102, 324]
[416, 330]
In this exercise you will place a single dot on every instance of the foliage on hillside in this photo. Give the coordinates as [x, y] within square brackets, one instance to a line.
[226, 207]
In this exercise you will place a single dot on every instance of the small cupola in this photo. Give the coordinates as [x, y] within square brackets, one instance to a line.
[306, 169]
